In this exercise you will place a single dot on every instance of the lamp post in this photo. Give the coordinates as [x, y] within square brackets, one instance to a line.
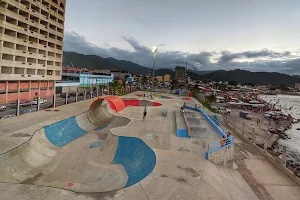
[154, 50]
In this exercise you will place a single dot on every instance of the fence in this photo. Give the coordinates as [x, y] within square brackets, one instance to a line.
[21, 107]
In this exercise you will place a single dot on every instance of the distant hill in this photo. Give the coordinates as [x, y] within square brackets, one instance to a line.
[297, 76]
[202, 72]
[97, 62]
[262, 78]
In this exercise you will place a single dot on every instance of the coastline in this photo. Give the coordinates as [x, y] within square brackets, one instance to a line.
[292, 142]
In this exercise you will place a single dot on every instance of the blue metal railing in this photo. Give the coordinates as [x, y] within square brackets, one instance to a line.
[219, 144]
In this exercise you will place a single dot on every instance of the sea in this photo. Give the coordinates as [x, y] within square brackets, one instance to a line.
[289, 105]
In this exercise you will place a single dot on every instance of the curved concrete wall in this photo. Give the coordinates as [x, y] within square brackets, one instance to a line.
[137, 102]
[132, 161]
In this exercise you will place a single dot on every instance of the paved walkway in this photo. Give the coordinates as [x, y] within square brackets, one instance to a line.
[181, 171]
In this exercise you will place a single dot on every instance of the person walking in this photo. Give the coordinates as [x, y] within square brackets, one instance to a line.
[222, 141]
[144, 113]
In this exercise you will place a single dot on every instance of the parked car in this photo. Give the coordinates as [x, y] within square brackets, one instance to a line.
[74, 94]
[23, 103]
[245, 115]
[7, 116]
[2, 108]
[42, 101]
[223, 110]
[269, 114]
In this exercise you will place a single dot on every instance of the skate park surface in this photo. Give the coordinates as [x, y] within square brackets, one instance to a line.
[118, 156]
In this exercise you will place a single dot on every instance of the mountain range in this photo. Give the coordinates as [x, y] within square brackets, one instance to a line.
[240, 76]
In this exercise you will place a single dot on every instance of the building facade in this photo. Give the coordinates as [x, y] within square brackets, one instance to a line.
[74, 78]
[297, 85]
[179, 73]
[31, 47]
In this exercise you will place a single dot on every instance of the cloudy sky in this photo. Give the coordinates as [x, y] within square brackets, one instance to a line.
[256, 35]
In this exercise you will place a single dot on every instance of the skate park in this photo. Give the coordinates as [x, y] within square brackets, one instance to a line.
[101, 149]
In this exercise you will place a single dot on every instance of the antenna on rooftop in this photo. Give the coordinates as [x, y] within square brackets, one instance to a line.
[72, 65]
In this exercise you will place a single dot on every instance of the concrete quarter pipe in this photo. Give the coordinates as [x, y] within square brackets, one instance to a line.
[58, 155]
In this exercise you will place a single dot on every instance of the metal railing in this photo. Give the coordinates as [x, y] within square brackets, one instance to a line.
[220, 144]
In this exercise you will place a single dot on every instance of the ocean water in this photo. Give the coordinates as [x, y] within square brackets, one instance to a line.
[286, 102]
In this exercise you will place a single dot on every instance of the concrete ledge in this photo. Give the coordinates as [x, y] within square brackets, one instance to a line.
[221, 156]
[269, 157]
[181, 127]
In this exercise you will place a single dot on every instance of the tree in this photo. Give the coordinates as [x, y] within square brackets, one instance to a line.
[116, 86]
[210, 99]
[144, 80]
[232, 83]
[284, 88]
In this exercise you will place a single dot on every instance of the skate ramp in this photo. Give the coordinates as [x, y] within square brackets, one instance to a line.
[59, 156]
[137, 102]
[195, 122]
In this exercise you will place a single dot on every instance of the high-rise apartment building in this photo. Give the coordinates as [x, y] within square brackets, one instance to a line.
[179, 73]
[31, 43]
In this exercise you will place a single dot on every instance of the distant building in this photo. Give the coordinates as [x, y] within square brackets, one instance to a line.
[119, 75]
[297, 85]
[160, 78]
[167, 78]
[179, 73]
[72, 78]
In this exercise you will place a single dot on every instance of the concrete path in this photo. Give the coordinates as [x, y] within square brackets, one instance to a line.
[181, 171]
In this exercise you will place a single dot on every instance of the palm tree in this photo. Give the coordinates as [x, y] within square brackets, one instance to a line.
[116, 86]
[210, 98]
[144, 80]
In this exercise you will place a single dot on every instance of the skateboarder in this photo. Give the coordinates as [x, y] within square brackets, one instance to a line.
[144, 113]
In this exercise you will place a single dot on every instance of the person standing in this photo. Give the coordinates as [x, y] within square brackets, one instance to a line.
[144, 113]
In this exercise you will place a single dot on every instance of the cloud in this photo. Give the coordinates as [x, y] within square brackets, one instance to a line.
[264, 53]
[263, 60]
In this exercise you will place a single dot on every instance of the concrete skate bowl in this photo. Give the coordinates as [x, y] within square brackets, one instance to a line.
[58, 155]
[137, 102]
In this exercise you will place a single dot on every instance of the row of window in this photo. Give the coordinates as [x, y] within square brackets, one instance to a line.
[30, 50]
[35, 9]
[33, 18]
[29, 71]
[30, 39]
[28, 60]
[30, 29]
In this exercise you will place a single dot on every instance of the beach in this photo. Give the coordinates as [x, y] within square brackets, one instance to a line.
[289, 105]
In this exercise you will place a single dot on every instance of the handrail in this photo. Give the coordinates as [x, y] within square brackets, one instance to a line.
[187, 124]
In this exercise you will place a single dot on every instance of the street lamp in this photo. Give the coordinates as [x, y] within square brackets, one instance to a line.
[154, 50]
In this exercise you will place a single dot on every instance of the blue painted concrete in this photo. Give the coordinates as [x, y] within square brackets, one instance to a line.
[64, 132]
[182, 133]
[101, 127]
[137, 158]
[95, 144]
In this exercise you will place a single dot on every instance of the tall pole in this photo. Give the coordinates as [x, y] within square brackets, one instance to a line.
[153, 72]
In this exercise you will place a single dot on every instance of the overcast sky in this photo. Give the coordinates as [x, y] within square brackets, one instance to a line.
[262, 35]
